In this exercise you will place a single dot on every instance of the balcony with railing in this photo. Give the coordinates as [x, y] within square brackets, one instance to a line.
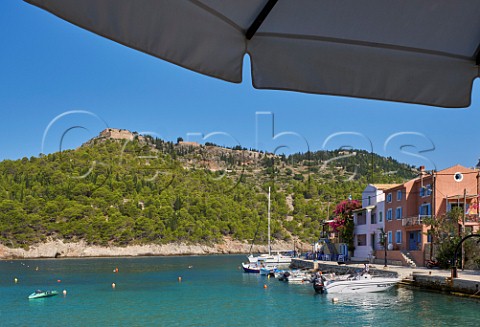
[471, 219]
[414, 221]
[420, 220]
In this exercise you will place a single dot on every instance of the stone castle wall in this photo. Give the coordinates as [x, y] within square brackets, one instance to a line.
[119, 134]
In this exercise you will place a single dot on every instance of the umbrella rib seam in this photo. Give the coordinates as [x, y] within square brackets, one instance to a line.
[365, 44]
[217, 14]
[262, 15]
[477, 55]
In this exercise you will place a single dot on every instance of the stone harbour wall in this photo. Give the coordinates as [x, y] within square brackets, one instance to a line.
[447, 284]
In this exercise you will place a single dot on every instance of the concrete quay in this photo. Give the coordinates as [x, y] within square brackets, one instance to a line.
[467, 284]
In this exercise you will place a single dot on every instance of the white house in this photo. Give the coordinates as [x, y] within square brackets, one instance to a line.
[369, 221]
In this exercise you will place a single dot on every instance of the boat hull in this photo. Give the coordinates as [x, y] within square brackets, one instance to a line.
[361, 286]
[267, 271]
[276, 259]
[294, 277]
[40, 295]
[250, 268]
[259, 268]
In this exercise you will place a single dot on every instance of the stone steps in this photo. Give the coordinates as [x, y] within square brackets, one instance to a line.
[408, 259]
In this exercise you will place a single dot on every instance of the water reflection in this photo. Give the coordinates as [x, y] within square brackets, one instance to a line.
[369, 301]
[214, 292]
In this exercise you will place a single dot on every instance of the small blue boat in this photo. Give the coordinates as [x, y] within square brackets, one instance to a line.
[263, 269]
[251, 268]
[41, 294]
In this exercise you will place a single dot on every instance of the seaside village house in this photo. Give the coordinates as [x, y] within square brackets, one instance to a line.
[369, 222]
[328, 246]
[400, 211]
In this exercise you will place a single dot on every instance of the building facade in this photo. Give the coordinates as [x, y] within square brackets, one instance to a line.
[369, 222]
[431, 195]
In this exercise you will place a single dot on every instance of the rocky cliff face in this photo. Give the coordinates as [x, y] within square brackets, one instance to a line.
[60, 249]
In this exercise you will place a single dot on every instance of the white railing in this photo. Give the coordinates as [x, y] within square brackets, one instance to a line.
[415, 220]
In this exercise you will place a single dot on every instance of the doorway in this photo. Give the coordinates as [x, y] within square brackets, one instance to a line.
[414, 240]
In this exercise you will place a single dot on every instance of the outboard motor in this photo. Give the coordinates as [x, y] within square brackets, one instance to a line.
[319, 285]
[284, 276]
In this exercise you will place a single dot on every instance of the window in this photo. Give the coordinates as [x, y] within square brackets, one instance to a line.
[389, 214]
[428, 190]
[369, 200]
[380, 216]
[390, 237]
[398, 237]
[452, 206]
[399, 195]
[389, 197]
[361, 219]
[425, 209]
[373, 218]
[362, 240]
[398, 213]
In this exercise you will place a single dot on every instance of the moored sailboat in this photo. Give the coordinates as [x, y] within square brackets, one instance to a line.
[279, 258]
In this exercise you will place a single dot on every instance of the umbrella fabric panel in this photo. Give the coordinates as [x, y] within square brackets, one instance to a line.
[443, 26]
[360, 71]
[177, 31]
[418, 51]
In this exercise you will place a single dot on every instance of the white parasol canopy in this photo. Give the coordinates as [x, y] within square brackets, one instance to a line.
[415, 51]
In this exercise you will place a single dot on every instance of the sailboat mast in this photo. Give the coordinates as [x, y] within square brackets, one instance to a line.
[269, 221]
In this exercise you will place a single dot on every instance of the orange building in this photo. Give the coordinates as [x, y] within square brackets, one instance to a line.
[433, 194]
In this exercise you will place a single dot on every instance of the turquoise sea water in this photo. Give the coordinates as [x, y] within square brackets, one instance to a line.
[213, 292]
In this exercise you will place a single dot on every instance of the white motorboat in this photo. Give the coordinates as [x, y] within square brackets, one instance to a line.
[42, 294]
[364, 283]
[295, 277]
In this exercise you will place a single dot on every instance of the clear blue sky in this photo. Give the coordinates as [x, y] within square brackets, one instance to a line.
[49, 68]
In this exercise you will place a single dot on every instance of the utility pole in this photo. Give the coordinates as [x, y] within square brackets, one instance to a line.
[328, 210]
[371, 176]
[433, 213]
[385, 249]
[269, 246]
[463, 224]
[477, 195]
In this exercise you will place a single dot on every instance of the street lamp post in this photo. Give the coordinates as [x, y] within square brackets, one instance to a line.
[313, 252]
[454, 271]
[385, 247]
[294, 247]
[384, 241]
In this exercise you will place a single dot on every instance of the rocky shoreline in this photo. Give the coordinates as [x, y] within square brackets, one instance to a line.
[61, 249]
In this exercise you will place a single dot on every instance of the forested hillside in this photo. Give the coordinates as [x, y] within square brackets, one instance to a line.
[113, 191]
